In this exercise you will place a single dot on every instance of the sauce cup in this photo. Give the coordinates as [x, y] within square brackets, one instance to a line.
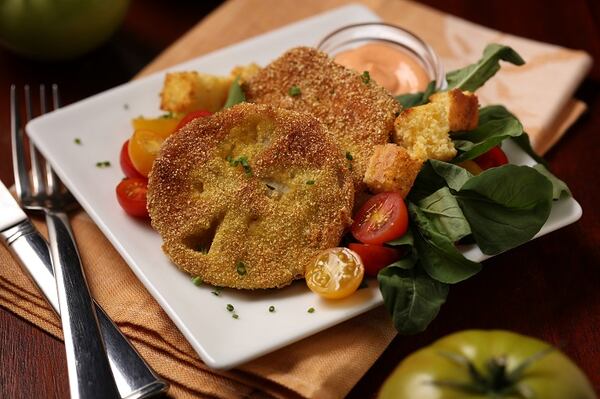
[361, 41]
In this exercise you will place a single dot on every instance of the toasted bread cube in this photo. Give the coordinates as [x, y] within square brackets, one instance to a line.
[391, 168]
[245, 72]
[424, 130]
[189, 91]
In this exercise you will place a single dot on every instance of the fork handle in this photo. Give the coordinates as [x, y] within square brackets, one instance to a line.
[135, 379]
[89, 371]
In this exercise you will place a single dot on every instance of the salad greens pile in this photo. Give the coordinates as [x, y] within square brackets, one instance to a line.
[499, 209]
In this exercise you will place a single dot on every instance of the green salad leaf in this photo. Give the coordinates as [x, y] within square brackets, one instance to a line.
[505, 206]
[406, 243]
[437, 253]
[475, 75]
[559, 188]
[442, 209]
[235, 95]
[409, 100]
[435, 175]
[496, 124]
[412, 298]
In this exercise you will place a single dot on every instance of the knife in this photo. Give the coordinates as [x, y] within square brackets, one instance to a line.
[134, 378]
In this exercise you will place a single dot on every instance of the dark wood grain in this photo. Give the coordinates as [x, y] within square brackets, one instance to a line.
[547, 288]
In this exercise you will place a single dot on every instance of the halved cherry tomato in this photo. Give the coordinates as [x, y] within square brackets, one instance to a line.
[382, 218]
[191, 116]
[164, 126]
[335, 273]
[131, 194]
[494, 157]
[143, 148]
[374, 257]
[126, 166]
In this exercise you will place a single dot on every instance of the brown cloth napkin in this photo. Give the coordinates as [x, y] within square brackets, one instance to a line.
[329, 364]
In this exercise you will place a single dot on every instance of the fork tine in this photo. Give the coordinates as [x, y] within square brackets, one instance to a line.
[53, 183]
[18, 149]
[37, 176]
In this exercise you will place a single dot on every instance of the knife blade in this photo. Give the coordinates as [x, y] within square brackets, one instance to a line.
[134, 378]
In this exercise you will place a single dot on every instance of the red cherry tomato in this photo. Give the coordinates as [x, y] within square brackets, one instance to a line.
[191, 116]
[374, 257]
[126, 165]
[382, 218]
[494, 157]
[131, 194]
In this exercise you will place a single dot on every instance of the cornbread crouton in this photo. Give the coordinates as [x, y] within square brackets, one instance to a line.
[424, 130]
[391, 168]
[245, 72]
[189, 91]
[357, 113]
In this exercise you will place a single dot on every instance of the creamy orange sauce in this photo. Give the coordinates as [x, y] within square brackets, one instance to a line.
[396, 70]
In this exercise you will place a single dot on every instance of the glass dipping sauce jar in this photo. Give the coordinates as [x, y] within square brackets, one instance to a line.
[395, 58]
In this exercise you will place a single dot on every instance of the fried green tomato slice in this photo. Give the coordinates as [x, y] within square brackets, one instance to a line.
[247, 197]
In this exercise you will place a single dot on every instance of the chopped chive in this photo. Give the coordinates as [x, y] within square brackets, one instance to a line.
[349, 156]
[241, 268]
[311, 310]
[294, 91]
[168, 115]
[235, 316]
[217, 291]
[196, 280]
[271, 308]
[242, 160]
[310, 182]
[230, 307]
[102, 164]
[366, 77]
[77, 141]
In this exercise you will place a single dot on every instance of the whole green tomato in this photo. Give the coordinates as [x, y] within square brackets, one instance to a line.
[58, 29]
[478, 364]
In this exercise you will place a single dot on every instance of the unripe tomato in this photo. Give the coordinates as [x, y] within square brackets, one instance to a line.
[58, 29]
[479, 364]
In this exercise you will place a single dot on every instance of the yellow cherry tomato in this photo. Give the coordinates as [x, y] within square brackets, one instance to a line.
[163, 126]
[335, 273]
[143, 148]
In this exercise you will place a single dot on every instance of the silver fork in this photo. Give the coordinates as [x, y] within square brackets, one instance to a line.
[89, 367]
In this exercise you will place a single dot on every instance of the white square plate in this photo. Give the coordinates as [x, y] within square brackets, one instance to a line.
[102, 122]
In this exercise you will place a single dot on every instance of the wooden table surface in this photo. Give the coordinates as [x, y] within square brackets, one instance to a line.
[548, 288]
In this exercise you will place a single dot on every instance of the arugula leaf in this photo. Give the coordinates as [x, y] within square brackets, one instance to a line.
[505, 206]
[445, 214]
[559, 187]
[496, 124]
[409, 100]
[475, 75]
[235, 95]
[412, 298]
[437, 253]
